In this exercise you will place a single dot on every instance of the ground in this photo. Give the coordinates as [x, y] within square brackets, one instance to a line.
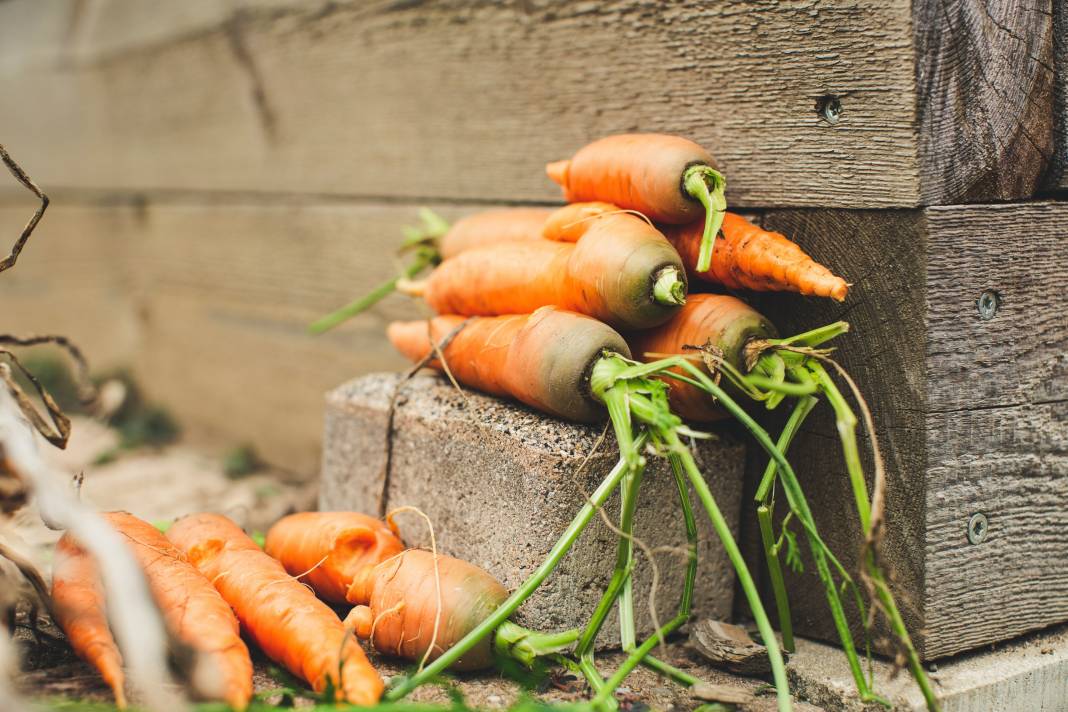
[159, 484]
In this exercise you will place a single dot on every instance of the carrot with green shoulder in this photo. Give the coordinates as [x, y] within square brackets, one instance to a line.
[668, 178]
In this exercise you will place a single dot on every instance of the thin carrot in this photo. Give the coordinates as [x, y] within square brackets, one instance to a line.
[80, 611]
[542, 359]
[291, 625]
[748, 257]
[668, 178]
[328, 549]
[397, 606]
[492, 226]
[716, 321]
[193, 609]
[621, 270]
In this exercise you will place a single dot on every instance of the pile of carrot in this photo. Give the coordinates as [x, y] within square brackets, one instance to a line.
[626, 305]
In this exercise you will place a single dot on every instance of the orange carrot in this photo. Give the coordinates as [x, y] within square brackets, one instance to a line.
[398, 606]
[667, 178]
[492, 226]
[291, 625]
[542, 359]
[330, 548]
[194, 611]
[718, 321]
[78, 600]
[621, 270]
[748, 257]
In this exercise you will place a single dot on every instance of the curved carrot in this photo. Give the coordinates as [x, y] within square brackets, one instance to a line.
[330, 548]
[283, 617]
[492, 226]
[621, 271]
[398, 606]
[194, 611]
[668, 178]
[719, 321]
[80, 611]
[748, 257]
[542, 359]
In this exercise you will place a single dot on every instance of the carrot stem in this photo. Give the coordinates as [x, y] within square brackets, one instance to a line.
[647, 401]
[669, 288]
[798, 504]
[847, 425]
[526, 645]
[778, 586]
[706, 184]
[512, 603]
[422, 260]
[801, 410]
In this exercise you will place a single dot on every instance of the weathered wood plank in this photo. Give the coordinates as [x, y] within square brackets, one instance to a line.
[465, 100]
[984, 83]
[71, 279]
[970, 411]
[929, 105]
[1057, 178]
[210, 304]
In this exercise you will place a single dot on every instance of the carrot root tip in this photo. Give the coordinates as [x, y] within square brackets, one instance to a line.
[669, 288]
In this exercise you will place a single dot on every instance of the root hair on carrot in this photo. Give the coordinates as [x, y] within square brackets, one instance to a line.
[437, 573]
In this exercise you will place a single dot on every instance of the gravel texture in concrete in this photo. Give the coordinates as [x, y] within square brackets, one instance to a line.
[501, 482]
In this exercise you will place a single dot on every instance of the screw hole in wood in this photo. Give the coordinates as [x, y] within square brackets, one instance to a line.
[829, 108]
[987, 304]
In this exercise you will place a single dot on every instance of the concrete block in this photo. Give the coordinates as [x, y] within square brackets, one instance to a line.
[500, 482]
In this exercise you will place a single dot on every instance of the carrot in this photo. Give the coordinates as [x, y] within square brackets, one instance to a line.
[492, 226]
[435, 240]
[668, 178]
[398, 606]
[543, 359]
[330, 548]
[194, 611]
[749, 257]
[621, 270]
[291, 625]
[724, 323]
[79, 608]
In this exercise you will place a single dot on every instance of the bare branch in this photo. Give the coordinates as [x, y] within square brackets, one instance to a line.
[21, 176]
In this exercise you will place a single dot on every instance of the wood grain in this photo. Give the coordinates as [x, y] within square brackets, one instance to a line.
[971, 413]
[463, 100]
[1057, 177]
[984, 84]
[210, 303]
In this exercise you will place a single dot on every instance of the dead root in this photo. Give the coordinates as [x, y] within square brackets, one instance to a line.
[437, 352]
[21, 176]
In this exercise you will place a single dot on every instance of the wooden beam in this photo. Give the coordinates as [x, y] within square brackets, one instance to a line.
[1057, 178]
[970, 410]
[836, 103]
[984, 87]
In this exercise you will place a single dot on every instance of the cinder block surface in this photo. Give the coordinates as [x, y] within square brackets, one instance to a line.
[500, 482]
